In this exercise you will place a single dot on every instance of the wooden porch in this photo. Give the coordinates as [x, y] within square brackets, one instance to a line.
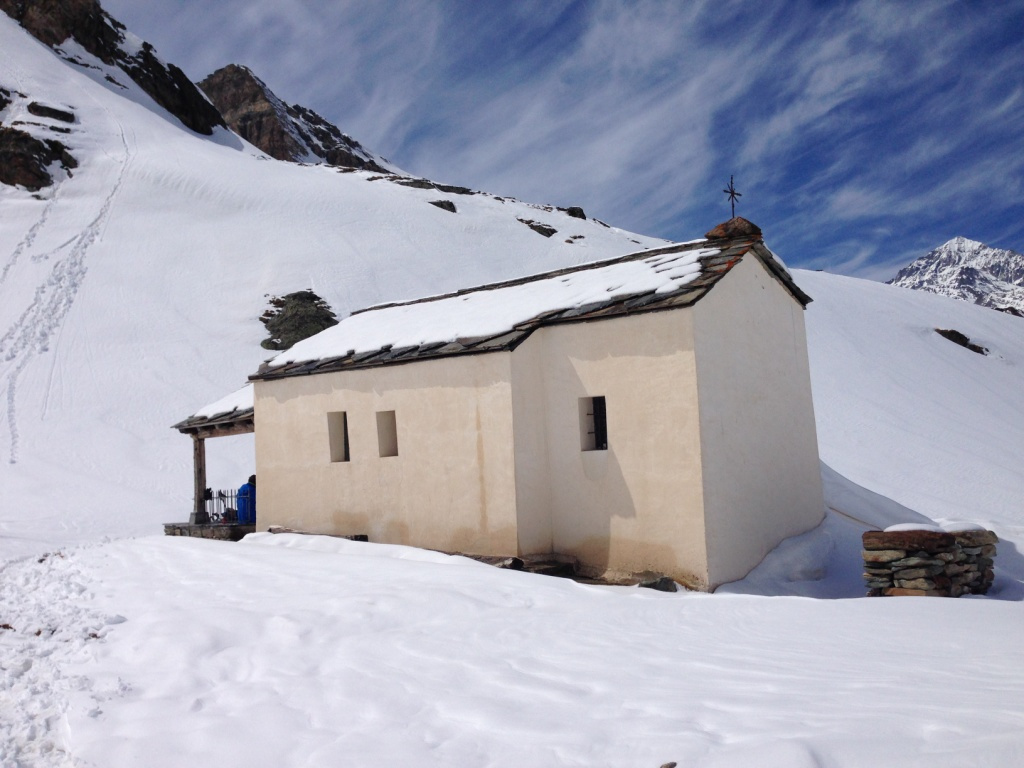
[238, 421]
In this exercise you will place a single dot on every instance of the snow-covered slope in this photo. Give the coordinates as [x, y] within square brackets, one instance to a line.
[970, 271]
[911, 428]
[910, 414]
[130, 292]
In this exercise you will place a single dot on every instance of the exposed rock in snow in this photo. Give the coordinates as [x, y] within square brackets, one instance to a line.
[25, 160]
[283, 131]
[969, 271]
[55, 21]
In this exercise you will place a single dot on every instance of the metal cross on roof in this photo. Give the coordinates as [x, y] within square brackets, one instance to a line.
[733, 194]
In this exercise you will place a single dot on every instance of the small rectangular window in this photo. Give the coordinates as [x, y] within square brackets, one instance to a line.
[593, 424]
[337, 430]
[387, 433]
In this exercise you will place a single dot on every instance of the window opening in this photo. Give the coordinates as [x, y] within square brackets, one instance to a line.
[593, 424]
[337, 430]
[387, 433]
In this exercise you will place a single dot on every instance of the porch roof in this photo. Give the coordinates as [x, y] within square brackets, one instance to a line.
[231, 415]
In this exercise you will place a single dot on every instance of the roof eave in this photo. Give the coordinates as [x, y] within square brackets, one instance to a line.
[780, 273]
[234, 423]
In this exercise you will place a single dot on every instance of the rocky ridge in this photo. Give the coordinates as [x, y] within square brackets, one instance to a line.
[970, 271]
[53, 22]
[284, 131]
[36, 151]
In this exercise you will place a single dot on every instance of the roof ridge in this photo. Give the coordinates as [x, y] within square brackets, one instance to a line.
[634, 256]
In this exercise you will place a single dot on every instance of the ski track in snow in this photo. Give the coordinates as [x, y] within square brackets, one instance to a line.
[31, 333]
[44, 627]
[30, 236]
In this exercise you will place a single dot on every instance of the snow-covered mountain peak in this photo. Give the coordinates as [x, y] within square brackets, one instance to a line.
[971, 271]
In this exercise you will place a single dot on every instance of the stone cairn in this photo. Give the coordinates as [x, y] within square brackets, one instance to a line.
[928, 563]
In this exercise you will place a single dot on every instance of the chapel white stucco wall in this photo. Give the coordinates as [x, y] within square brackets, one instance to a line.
[712, 456]
[762, 479]
[638, 505]
[530, 429]
[451, 486]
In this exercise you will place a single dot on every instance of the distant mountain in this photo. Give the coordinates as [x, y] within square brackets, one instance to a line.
[970, 271]
[283, 131]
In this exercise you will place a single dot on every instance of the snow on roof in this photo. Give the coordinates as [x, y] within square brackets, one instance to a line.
[489, 312]
[230, 411]
[239, 400]
[499, 315]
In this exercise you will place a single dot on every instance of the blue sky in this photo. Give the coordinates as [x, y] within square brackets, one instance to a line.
[861, 134]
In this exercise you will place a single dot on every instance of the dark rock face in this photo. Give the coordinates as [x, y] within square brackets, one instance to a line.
[294, 317]
[41, 110]
[171, 89]
[5, 98]
[247, 106]
[959, 338]
[24, 159]
[284, 131]
[541, 229]
[54, 21]
[417, 183]
[444, 205]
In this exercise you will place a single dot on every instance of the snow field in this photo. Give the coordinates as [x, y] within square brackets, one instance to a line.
[910, 415]
[299, 651]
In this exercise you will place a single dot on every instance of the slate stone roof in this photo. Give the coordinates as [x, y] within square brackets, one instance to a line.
[231, 415]
[724, 247]
[237, 422]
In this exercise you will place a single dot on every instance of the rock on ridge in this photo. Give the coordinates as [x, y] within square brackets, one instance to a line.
[84, 21]
[284, 131]
[970, 271]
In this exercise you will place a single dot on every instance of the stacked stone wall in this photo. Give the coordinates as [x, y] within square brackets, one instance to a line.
[219, 531]
[928, 563]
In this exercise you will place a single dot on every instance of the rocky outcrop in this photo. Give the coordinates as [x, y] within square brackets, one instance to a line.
[252, 111]
[54, 21]
[962, 339]
[42, 110]
[970, 271]
[25, 160]
[284, 131]
[540, 228]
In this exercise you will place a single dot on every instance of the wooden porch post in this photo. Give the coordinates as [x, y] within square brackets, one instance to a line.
[199, 515]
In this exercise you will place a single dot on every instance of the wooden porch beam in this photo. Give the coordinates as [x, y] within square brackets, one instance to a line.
[199, 515]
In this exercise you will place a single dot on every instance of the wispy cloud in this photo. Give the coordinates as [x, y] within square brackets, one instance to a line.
[858, 131]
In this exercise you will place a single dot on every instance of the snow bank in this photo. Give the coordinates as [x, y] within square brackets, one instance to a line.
[266, 655]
